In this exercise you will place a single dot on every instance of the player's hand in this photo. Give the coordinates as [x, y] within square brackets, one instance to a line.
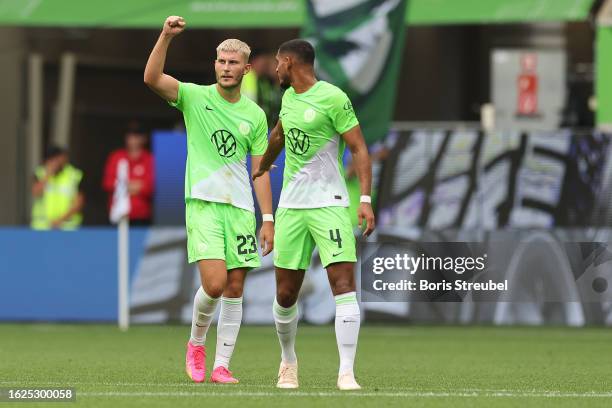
[174, 25]
[260, 172]
[266, 237]
[364, 212]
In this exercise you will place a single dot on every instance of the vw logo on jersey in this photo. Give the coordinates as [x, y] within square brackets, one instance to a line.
[225, 143]
[309, 115]
[244, 128]
[299, 142]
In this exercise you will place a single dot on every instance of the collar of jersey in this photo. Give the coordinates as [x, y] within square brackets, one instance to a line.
[221, 99]
[316, 85]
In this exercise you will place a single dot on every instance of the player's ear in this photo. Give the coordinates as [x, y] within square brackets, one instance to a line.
[247, 69]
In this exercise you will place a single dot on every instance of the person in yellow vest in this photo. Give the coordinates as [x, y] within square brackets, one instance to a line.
[56, 191]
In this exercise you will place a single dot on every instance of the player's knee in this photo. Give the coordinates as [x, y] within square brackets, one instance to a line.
[286, 297]
[233, 290]
[214, 289]
[342, 286]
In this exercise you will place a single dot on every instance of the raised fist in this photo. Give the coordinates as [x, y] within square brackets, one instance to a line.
[174, 25]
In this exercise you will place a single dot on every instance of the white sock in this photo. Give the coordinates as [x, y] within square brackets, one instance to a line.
[348, 320]
[286, 320]
[204, 307]
[228, 326]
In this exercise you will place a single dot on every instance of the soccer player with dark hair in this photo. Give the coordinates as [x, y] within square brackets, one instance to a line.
[222, 127]
[316, 122]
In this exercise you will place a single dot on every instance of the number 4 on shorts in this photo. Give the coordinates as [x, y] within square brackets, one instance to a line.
[337, 239]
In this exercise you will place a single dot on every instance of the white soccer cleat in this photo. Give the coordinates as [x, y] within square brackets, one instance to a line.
[346, 382]
[287, 376]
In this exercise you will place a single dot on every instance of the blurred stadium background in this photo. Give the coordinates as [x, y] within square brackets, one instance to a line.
[490, 121]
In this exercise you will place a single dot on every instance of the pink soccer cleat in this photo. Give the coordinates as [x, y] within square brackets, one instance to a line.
[195, 362]
[222, 375]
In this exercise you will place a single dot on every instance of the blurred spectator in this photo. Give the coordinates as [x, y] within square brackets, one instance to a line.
[141, 174]
[262, 86]
[58, 199]
[379, 151]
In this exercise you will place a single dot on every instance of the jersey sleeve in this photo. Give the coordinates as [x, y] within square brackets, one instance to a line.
[186, 93]
[342, 114]
[260, 141]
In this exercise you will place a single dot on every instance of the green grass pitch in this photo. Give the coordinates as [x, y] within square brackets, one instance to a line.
[396, 365]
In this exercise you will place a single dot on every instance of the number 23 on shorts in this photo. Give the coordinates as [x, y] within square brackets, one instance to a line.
[246, 244]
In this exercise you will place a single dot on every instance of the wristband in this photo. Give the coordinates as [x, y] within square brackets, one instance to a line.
[365, 199]
[267, 217]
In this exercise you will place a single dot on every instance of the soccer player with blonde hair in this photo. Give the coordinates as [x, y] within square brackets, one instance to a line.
[222, 128]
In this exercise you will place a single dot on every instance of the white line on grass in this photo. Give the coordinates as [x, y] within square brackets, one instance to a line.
[111, 384]
[515, 394]
[382, 391]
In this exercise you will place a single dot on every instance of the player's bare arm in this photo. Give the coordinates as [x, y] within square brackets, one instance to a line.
[275, 146]
[263, 192]
[363, 167]
[154, 77]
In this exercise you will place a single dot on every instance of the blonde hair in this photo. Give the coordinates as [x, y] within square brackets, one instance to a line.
[234, 45]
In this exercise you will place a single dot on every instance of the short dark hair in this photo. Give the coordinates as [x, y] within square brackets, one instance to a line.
[135, 127]
[300, 48]
[54, 151]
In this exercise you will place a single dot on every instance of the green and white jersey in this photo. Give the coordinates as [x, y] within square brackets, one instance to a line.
[219, 136]
[313, 122]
